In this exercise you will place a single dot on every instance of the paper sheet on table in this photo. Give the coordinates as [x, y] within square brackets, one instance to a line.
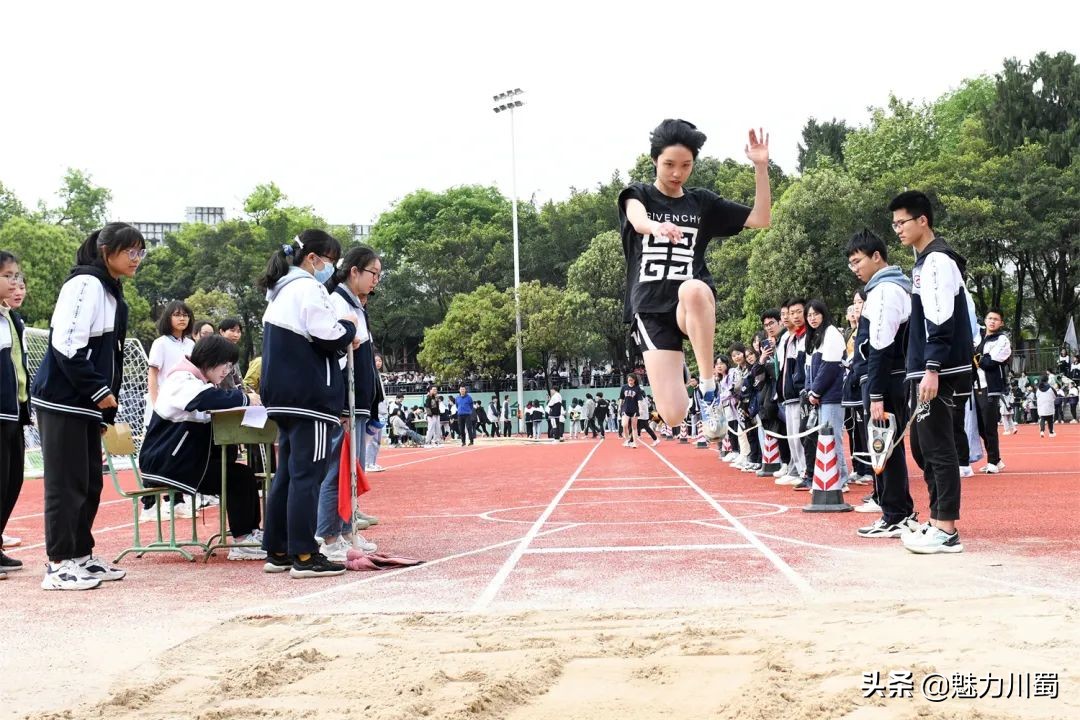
[254, 417]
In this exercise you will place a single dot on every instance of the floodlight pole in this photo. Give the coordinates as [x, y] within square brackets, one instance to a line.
[503, 102]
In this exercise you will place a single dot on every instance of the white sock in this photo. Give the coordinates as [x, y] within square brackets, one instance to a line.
[707, 385]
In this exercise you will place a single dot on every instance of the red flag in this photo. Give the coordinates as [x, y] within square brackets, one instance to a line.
[344, 496]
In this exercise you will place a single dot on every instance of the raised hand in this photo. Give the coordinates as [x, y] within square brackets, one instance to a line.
[757, 150]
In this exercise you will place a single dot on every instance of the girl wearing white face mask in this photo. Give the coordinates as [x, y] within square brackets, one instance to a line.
[303, 390]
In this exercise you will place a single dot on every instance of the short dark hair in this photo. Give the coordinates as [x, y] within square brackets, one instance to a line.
[996, 311]
[867, 243]
[109, 240]
[229, 324]
[771, 313]
[675, 132]
[737, 347]
[7, 257]
[796, 301]
[164, 321]
[212, 351]
[198, 325]
[916, 203]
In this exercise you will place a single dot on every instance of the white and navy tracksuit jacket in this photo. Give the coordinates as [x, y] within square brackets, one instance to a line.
[883, 330]
[365, 377]
[11, 331]
[824, 376]
[302, 343]
[939, 333]
[176, 449]
[84, 362]
[994, 354]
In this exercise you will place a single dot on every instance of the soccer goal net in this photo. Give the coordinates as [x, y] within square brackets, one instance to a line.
[132, 393]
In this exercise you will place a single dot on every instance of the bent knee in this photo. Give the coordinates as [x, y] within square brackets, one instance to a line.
[695, 291]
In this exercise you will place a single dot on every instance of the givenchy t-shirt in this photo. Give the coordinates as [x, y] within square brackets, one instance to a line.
[656, 267]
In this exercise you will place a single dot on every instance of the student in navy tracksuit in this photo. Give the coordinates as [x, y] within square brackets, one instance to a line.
[939, 352]
[825, 379]
[178, 449]
[303, 390]
[14, 409]
[352, 285]
[75, 395]
[879, 368]
[993, 355]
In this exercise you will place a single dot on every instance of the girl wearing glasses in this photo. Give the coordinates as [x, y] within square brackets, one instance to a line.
[75, 394]
[350, 288]
[14, 411]
[303, 390]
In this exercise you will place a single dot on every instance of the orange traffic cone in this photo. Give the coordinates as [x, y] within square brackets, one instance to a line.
[826, 495]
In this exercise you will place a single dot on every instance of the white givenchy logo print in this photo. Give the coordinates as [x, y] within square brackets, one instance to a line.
[662, 259]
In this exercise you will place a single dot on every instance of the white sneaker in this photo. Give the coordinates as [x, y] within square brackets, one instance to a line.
[966, 471]
[67, 575]
[933, 541]
[103, 571]
[868, 507]
[783, 471]
[150, 514]
[375, 468]
[10, 542]
[656, 442]
[1053, 434]
[246, 553]
[1041, 434]
[361, 543]
[337, 551]
[713, 425]
[917, 533]
[183, 509]
[793, 479]
[992, 469]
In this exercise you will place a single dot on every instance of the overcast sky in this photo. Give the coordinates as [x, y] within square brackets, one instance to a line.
[350, 106]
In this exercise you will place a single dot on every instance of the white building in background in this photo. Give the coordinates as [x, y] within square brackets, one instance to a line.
[155, 232]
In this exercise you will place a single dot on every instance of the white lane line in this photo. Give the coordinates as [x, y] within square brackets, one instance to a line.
[629, 477]
[631, 487]
[632, 548]
[431, 457]
[788, 572]
[266, 608]
[504, 572]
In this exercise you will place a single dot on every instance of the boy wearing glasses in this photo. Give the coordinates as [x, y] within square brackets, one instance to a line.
[938, 366]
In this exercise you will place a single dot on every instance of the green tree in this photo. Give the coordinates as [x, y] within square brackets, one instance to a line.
[84, 207]
[1038, 102]
[550, 328]
[212, 305]
[10, 205]
[46, 255]
[598, 279]
[475, 336]
[822, 140]
[265, 198]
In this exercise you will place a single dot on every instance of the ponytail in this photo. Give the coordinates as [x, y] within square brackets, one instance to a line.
[109, 240]
[292, 254]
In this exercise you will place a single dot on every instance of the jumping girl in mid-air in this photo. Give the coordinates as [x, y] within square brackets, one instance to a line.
[670, 297]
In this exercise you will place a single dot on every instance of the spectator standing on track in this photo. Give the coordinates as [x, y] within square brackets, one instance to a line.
[938, 366]
[992, 377]
[380, 412]
[825, 378]
[769, 411]
[600, 415]
[631, 403]
[14, 400]
[493, 414]
[464, 404]
[304, 391]
[588, 411]
[643, 419]
[75, 393]
[431, 409]
[1044, 403]
[666, 229]
[555, 413]
[505, 417]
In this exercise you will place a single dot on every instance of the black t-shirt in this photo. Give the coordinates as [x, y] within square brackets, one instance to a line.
[656, 267]
[602, 407]
[431, 404]
[631, 395]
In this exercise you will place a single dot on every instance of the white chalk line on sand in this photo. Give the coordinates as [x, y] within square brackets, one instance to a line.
[508, 566]
[267, 608]
[862, 553]
[624, 488]
[632, 548]
[629, 477]
[796, 579]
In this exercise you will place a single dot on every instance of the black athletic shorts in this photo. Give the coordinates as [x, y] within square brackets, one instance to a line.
[630, 410]
[657, 331]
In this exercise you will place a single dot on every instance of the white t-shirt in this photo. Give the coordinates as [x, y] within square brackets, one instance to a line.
[167, 351]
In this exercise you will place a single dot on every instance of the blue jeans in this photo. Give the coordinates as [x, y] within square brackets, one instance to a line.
[330, 523]
[833, 413]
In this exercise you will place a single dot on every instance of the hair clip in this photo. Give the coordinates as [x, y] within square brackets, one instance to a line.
[288, 250]
[298, 242]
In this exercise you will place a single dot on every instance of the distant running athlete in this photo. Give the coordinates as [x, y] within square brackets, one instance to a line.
[670, 296]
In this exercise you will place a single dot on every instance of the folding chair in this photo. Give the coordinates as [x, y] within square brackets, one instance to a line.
[118, 442]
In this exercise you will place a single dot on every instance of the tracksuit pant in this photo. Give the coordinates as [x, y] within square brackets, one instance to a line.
[891, 489]
[12, 455]
[71, 450]
[292, 506]
[933, 445]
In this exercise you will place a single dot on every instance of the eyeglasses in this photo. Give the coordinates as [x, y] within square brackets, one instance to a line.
[136, 254]
[377, 274]
[899, 224]
[856, 261]
[14, 277]
[180, 313]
